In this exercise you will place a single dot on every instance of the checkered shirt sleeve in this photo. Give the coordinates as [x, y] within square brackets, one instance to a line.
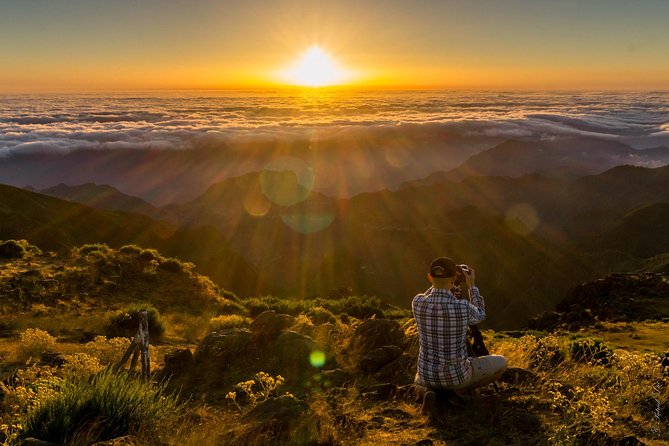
[442, 322]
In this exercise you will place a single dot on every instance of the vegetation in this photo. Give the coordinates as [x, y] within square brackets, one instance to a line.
[102, 407]
[361, 307]
[17, 249]
[219, 323]
[125, 322]
[597, 385]
[33, 343]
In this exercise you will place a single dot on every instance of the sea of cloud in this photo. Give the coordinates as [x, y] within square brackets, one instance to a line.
[62, 123]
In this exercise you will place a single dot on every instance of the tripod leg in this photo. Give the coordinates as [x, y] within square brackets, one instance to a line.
[126, 356]
[135, 355]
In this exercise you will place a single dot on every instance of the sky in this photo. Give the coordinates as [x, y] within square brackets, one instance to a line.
[90, 45]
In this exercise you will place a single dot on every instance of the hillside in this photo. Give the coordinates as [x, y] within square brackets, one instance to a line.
[266, 233]
[565, 158]
[297, 375]
[59, 225]
[103, 197]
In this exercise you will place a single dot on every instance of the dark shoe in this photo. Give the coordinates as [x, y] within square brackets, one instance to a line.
[429, 402]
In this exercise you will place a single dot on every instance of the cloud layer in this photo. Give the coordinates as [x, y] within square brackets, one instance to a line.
[62, 123]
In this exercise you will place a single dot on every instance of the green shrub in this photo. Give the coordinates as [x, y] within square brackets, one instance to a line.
[228, 295]
[320, 315]
[12, 249]
[132, 250]
[546, 353]
[255, 306]
[222, 322]
[362, 307]
[590, 351]
[33, 343]
[102, 407]
[126, 322]
[173, 265]
[149, 255]
[93, 247]
[230, 307]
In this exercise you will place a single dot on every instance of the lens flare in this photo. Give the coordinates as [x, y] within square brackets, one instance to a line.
[522, 218]
[287, 181]
[317, 359]
[308, 223]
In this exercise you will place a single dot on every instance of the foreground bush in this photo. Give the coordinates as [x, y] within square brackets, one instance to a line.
[590, 351]
[102, 407]
[124, 323]
[361, 307]
[219, 323]
[11, 249]
[33, 343]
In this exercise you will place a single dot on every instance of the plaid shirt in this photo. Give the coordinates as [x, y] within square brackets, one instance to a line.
[442, 322]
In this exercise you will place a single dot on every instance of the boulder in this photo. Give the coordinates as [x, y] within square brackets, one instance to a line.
[375, 333]
[269, 324]
[373, 361]
[400, 371]
[223, 346]
[294, 351]
[178, 362]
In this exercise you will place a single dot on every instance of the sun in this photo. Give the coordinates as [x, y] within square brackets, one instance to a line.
[315, 68]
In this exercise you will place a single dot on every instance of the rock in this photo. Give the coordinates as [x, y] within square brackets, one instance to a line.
[547, 320]
[178, 363]
[400, 371]
[375, 333]
[376, 359]
[222, 347]
[269, 324]
[383, 391]
[294, 356]
[516, 375]
[282, 420]
[335, 378]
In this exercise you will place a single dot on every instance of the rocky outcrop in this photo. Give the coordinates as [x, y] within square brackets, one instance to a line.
[222, 347]
[615, 298]
[373, 334]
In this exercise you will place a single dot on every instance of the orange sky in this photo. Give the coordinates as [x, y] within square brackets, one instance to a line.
[517, 44]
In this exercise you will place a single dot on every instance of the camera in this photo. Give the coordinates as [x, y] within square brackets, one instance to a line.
[461, 270]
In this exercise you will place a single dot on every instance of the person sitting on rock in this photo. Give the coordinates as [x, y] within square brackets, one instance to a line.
[442, 322]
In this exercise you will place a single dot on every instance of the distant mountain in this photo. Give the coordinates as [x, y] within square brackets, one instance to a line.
[567, 158]
[342, 165]
[55, 224]
[102, 197]
[642, 233]
[530, 238]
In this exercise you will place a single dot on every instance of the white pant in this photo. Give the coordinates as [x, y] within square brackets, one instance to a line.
[485, 369]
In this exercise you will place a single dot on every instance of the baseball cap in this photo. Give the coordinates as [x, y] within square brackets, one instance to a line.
[442, 267]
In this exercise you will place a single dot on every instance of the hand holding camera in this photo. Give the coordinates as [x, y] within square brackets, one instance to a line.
[465, 274]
